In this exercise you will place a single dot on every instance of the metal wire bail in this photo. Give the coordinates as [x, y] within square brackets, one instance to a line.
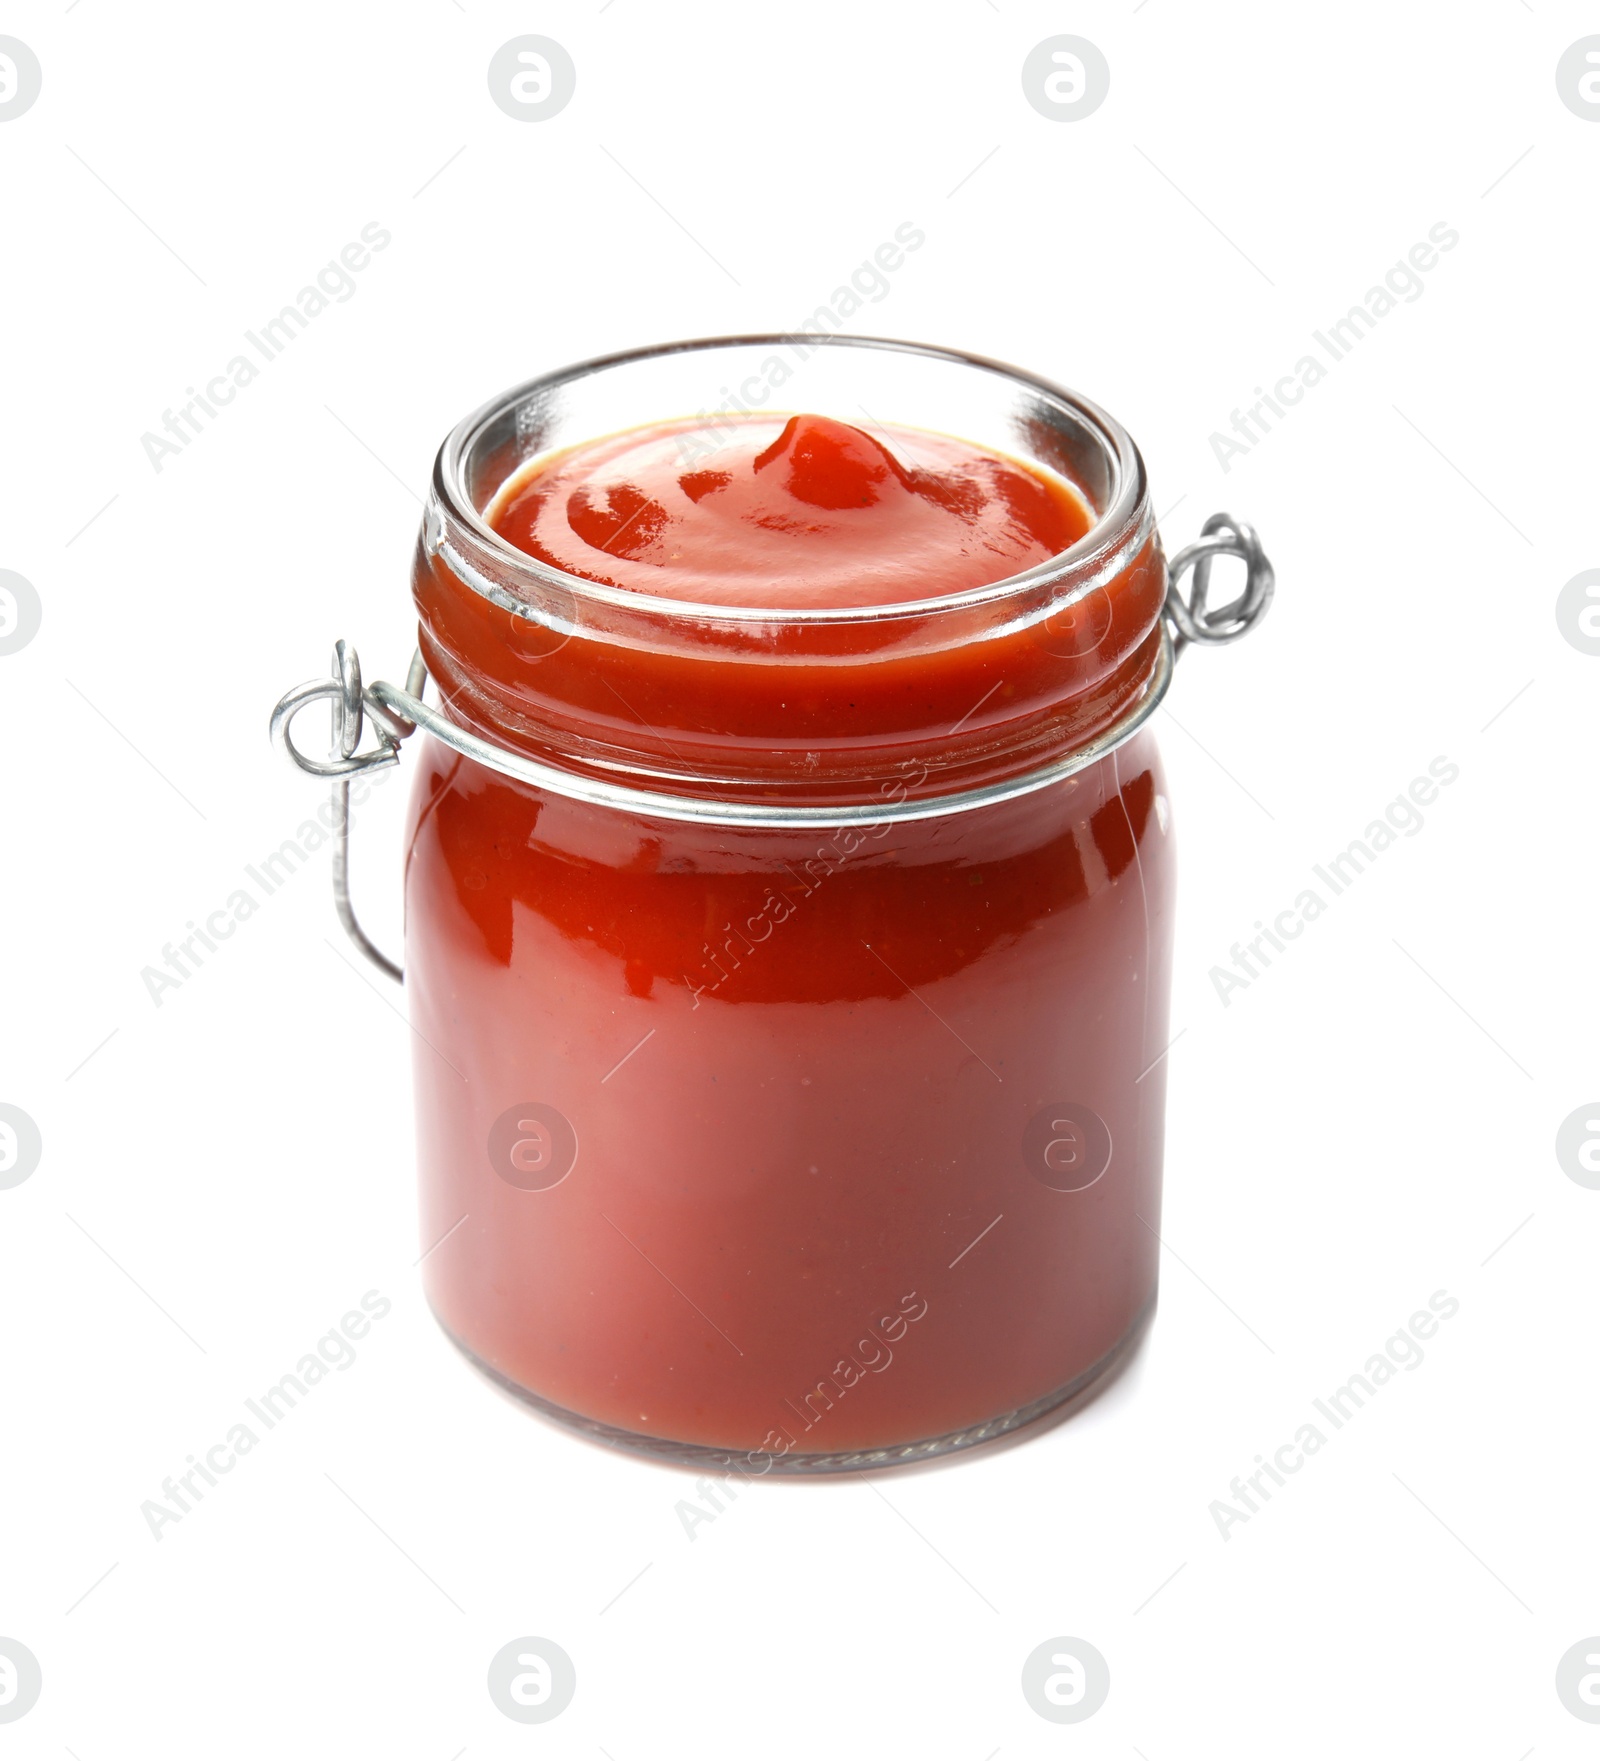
[1191, 620]
[349, 706]
[397, 714]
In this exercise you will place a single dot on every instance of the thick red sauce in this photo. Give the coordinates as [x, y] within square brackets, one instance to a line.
[808, 512]
[818, 1080]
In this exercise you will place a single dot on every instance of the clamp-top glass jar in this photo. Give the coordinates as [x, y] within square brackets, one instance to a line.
[790, 980]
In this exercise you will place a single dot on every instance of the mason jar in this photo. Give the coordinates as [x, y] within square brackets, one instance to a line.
[789, 983]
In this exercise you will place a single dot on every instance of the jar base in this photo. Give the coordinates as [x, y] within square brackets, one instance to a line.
[1037, 1415]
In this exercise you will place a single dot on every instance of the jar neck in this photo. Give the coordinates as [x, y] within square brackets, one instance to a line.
[809, 714]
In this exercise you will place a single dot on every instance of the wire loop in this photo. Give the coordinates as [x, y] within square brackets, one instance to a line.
[1192, 620]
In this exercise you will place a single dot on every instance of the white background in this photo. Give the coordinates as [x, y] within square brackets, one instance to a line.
[1371, 1121]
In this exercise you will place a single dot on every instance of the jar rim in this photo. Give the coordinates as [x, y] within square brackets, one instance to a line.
[1120, 527]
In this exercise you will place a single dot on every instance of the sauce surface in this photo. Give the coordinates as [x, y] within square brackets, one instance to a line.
[807, 512]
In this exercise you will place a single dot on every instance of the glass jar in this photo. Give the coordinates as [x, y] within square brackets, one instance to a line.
[790, 986]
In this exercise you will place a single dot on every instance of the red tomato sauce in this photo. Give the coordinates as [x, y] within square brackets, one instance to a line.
[810, 512]
[772, 1140]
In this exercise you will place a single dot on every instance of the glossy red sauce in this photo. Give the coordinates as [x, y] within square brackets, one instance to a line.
[818, 1081]
[809, 512]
